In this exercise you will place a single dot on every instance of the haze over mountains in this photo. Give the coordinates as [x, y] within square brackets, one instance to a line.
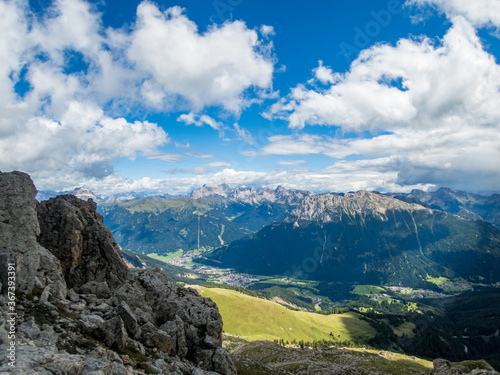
[363, 236]
[367, 238]
[466, 205]
[252, 194]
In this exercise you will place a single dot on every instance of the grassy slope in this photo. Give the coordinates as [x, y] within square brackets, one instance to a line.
[256, 319]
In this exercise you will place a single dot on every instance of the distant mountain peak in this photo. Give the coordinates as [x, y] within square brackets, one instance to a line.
[332, 207]
[251, 194]
[79, 192]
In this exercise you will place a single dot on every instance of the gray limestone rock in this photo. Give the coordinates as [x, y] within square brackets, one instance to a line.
[74, 232]
[35, 266]
[129, 319]
[115, 333]
[63, 243]
[99, 289]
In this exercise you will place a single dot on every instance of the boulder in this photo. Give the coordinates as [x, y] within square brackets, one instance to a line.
[129, 319]
[75, 233]
[115, 334]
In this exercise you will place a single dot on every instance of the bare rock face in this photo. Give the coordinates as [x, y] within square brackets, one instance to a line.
[36, 267]
[111, 320]
[75, 233]
[252, 194]
[332, 207]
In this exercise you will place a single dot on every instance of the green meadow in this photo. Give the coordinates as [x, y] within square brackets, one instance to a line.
[252, 318]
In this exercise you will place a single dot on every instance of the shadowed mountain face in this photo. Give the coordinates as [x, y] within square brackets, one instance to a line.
[160, 226]
[466, 205]
[367, 238]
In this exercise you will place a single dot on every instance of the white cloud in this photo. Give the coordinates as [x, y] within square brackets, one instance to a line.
[197, 154]
[213, 68]
[200, 120]
[181, 145]
[243, 134]
[454, 154]
[432, 106]
[215, 164]
[72, 68]
[346, 176]
[480, 13]
[195, 170]
[84, 143]
[325, 75]
[438, 81]
[267, 31]
[292, 162]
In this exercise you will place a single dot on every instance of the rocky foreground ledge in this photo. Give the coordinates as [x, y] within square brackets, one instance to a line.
[77, 308]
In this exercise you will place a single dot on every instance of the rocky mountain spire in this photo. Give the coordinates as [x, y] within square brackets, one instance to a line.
[79, 309]
[75, 233]
[332, 207]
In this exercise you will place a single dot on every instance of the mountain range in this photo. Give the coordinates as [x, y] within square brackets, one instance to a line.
[252, 194]
[210, 217]
[85, 194]
[356, 237]
[370, 238]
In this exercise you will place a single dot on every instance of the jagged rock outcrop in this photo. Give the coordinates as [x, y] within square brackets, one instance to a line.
[444, 367]
[36, 267]
[74, 232]
[81, 311]
[267, 358]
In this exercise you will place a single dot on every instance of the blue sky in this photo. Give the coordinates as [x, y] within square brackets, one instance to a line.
[166, 96]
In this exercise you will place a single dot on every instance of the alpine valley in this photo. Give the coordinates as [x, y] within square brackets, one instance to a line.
[416, 274]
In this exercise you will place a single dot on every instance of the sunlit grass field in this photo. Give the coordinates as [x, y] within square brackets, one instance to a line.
[256, 319]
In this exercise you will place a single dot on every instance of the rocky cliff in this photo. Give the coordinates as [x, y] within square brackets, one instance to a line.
[79, 310]
[252, 194]
[328, 208]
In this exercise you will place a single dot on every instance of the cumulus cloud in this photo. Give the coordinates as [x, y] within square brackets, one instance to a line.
[214, 68]
[454, 155]
[481, 13]
[267, 30]
[66, 83]
[325, 75]
[201, 120]
[85, 143]
[346, 176]
[414, 83]
[431, 105]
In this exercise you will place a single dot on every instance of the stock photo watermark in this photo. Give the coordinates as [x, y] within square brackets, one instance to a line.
[363, 36]
[311, 264]
[224, 8]
[11, 313]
